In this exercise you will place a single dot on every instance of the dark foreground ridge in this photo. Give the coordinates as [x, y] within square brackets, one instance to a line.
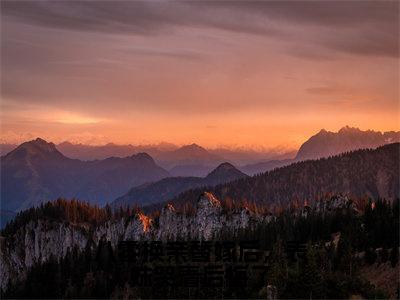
[71, 249]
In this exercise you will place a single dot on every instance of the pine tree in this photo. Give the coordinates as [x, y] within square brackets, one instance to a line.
[311, 275]
[278, 273]
[345, 254]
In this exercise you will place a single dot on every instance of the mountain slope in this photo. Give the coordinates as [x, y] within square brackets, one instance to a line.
[36, 172]
[225, 172]
[371, 173]
[326, 143]
[5, 148]
[88, 152]
[191, 170]
[262, 167]
[168, 188]
[188, 155]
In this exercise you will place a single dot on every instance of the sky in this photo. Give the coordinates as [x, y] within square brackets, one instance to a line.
[258, 74]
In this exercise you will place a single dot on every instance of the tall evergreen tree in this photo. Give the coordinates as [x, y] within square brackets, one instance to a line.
[278, 273]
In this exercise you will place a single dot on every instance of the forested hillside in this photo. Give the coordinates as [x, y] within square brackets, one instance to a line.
[168, 188]
[335, 247]
[362, 173]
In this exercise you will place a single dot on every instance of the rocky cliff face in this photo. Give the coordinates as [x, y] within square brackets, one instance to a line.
[38, 241]
[337, 202]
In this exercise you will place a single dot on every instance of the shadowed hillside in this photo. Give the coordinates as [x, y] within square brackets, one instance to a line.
[168, 188]
[36, 172]
[373, 173]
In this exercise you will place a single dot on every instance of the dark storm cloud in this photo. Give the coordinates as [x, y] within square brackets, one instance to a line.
[359, 27]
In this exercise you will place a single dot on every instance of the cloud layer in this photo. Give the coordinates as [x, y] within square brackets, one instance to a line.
[136, 65]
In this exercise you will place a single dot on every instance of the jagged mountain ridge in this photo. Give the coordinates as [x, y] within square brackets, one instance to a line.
[36, 172]
[194, 160]
[191, 170]
[103, 183]
[371, 173]
[168, 188]
[89, 152]
[189, 160]
[327, 143]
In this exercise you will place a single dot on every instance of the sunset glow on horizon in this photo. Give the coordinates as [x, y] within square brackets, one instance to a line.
[260, 75]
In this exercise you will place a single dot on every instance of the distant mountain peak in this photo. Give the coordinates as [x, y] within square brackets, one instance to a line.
[191, 154]
[195, 145]
[143, 156]
[322, 131]
[66, 143]
[225, 167]
[43, 145]
[225, 170]
[36, 148]
[348, 129]
[192, 147]
[40, 140]
[326, 143]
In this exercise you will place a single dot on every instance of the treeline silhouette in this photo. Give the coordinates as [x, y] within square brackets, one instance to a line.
[361, 173]
[337, 246]
[71, 211]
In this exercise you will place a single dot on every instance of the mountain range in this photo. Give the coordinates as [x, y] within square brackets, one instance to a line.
[194, 160]
[361, 173]
[327, 143]
[36, 171]
[168, 188]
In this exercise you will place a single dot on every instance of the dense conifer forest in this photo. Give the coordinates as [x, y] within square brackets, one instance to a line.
[336, 246]
[370, 173]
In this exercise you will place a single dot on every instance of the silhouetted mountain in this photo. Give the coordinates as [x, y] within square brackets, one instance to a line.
[168, 188]
[370, 173]
[164, 152]
[87, 152]
[249, 156]
[188, 155]
[5, 148]
[326, 143]
[190, 170]
[262, 167]
[192, 152]
[36, 171]
[37, 149]
[225, 172]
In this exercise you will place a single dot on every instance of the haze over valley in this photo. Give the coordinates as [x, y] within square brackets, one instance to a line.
[37, 171]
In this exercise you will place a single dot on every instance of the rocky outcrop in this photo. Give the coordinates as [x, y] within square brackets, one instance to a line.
[208, 220]
[325, 206]
[38, 241]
